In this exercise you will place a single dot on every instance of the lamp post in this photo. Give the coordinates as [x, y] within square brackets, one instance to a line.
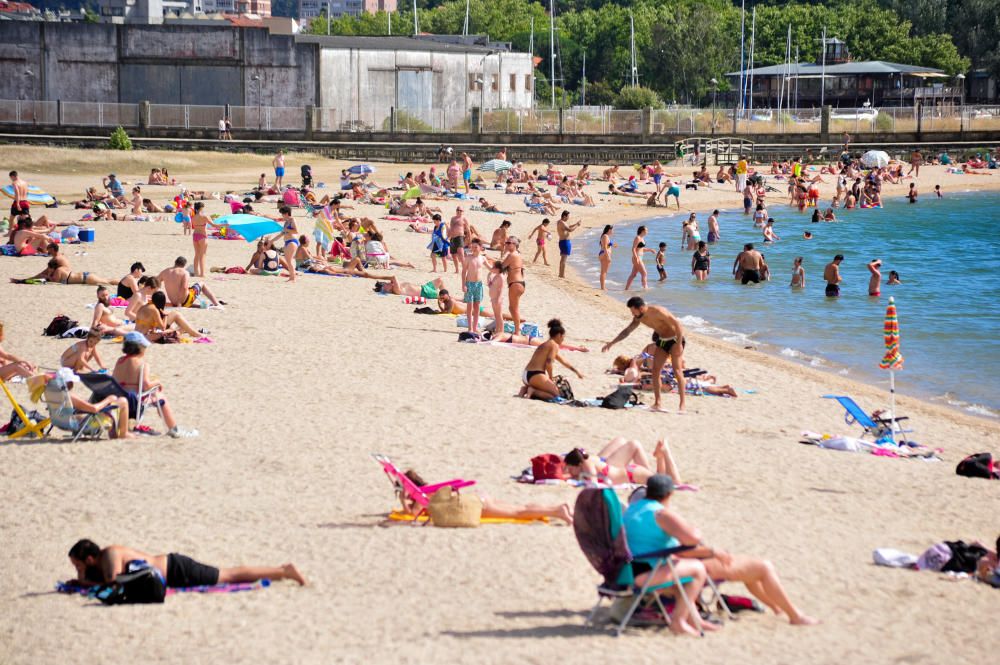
[961, 102]
[715, 91]
[327, 18]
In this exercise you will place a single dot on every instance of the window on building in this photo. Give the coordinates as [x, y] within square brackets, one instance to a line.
[527, 82]
[474, 83]
[495, 86]
[513, 82]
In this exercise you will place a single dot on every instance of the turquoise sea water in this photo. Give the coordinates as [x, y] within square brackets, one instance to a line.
[947, 252]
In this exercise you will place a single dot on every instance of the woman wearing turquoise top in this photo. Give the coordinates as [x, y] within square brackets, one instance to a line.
[643, 518]
[647, 524]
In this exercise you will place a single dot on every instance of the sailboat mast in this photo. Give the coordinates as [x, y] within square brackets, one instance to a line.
[552, 50]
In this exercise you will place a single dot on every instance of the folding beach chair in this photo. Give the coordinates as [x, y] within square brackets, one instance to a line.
[28, 426]
[63, 416]
[600, 532]
[103, 385]
[406, 488]
[879, 428]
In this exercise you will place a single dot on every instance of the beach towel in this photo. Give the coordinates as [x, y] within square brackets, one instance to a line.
[892, 558]
[400, 516]
[74, 587]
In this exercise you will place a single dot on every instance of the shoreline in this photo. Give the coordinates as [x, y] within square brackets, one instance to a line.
[797, 357]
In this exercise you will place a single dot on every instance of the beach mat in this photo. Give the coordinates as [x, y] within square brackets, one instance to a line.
[73, 587]
[400, 516]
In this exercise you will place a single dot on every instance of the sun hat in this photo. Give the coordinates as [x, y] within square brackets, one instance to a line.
[136, 338]
[67, 375]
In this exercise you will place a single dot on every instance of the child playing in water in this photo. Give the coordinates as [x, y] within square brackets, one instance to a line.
[937, 191]
[912, 194]
[661, 260]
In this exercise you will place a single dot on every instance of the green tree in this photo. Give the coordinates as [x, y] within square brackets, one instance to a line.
[638, 98]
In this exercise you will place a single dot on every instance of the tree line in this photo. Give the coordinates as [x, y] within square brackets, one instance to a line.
[681, 45]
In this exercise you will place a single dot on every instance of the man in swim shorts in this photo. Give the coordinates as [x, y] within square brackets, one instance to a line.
[875, 283]
[466, 170]
[95, 565]
[832, 276]
[667, 331]
[458, 228]
[564, 229]
[748, 265]
[20, 205]
[179, 289]
[279, 169]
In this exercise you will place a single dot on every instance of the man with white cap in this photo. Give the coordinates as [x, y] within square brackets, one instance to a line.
[68, 378]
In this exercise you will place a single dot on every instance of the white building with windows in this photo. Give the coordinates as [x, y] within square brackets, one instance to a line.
[434, 81]
[312, 8]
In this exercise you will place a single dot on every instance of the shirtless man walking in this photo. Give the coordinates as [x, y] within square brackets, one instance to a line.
[831, 273]
[180, 292]
[458, 227]
[20, 204]
[564, 229]
[513, 265]
[466, 170]
[669, 340]
[748, 265]
[875, 283]
[95, 565]
[279, 169]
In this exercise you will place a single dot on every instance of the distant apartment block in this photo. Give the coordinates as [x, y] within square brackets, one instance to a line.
[338, 8]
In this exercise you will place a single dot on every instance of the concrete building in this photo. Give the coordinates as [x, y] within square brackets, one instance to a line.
[145, 11]
[359, 81]
[312, 8]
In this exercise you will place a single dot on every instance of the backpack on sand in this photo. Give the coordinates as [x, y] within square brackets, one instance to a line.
[620, 398]
[548, 467]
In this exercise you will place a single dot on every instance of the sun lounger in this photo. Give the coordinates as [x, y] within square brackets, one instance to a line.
[600, 533]
[879, 428]
[28, 427]
[406, 488]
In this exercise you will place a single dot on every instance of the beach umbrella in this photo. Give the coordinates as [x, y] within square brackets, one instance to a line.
[875, 159]
[249, 227]
[361, 169]
[496, 166]
[893, 359]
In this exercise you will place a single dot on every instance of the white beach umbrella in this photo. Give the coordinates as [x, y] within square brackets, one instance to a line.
[875, 159]
[496, 166]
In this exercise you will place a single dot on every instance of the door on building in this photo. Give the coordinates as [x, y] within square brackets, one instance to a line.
[415, 100]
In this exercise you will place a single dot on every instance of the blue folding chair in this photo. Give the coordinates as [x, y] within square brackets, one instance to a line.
[878, 428]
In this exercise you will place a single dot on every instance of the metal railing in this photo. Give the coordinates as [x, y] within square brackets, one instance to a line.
[677, 121]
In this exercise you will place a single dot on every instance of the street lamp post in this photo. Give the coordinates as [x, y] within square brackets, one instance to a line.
[256, 79]
[961, 102]
[715, 91]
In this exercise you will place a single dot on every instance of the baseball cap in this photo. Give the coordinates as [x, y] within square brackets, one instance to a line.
[136, 338]
[659, 486]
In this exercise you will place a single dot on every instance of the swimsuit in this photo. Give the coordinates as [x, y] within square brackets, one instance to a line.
[124, 291]
[183, 571]
[456, 244]
[279, 171]
[701, 261]
[429, 291]
[528, 373]
[751, 276]
[667, 343]
[467, 175]
[473, 292]
[674, 190]
[611, 243]
[712, 237]
[198, 236]
[192, 295]
[832, 290]
[565, 247]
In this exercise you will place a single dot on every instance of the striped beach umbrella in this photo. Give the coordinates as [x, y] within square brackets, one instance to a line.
[893, 359]
[496, 166]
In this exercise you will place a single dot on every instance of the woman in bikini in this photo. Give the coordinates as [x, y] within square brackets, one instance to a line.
[537, 377]
[157, 325]
[622, 462]
[199, 227]
[493, 508]
[638, 267]
[604, 254]
[290, 234]
[798, 274]
[513, 266]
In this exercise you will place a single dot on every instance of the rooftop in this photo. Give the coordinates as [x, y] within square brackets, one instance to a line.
[437, 43]
[811, 70]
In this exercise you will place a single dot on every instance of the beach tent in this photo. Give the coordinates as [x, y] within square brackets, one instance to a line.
[249, 227]
[875, 159]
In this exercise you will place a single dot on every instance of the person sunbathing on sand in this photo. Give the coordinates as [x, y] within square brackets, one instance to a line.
[524, 340]
[180, 292]
[25, 240]
[494, 508]
[161, 326]
[650, 524]
[429, 290]
[95, 565]
[104, 321]
[80, 354]
[537, 376]
[620, 462]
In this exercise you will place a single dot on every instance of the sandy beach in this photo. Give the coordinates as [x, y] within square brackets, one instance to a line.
[305, 380]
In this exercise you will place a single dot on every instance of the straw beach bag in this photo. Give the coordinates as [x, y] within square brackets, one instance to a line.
[448, 508]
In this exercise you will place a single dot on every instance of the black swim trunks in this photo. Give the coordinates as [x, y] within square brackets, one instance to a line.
[832, 291]
[183, 571]
[456, 243]
[668, 343]
[751, 276]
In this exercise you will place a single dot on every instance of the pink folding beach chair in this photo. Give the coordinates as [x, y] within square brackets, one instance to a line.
[421, 494]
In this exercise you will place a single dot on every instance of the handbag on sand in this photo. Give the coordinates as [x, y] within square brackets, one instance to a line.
[450, 509]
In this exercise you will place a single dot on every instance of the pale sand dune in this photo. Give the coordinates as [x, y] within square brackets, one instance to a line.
[306, 380]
